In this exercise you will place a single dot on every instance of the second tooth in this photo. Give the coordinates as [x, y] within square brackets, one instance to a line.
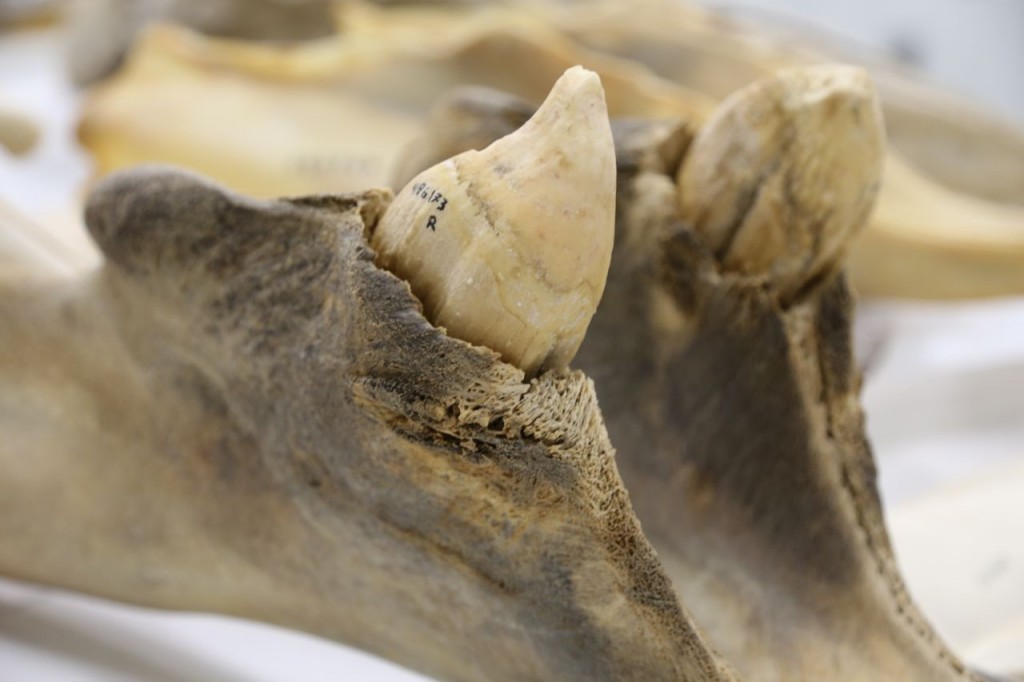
[785, 172]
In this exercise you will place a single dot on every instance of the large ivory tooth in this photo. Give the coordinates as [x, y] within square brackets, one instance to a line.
[509, 247]
[785, 172]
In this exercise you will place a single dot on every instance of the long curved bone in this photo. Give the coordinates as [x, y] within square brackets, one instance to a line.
[328, 117]
[240, 413]
[735, 410]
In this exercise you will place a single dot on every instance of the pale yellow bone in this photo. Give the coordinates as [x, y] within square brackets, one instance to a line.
[384, 73]
[328, 116]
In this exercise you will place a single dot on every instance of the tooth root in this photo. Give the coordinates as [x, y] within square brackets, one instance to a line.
[509, 247]
[785, 172]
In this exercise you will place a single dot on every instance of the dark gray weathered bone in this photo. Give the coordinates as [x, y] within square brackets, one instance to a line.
[240, 413]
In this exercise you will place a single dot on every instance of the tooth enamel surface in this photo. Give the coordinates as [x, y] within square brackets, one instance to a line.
[786, 171]
[509, 247]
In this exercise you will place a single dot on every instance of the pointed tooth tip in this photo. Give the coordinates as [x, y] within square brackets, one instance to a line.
[577, 83]
[580, 74]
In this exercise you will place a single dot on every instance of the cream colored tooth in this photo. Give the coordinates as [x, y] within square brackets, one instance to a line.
[785, 172]
[509, 247]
